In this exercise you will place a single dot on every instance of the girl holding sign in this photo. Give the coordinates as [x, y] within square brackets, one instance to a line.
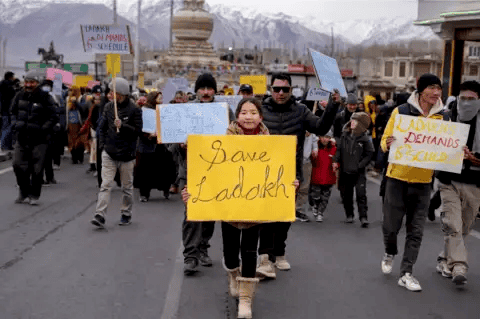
[242, 237]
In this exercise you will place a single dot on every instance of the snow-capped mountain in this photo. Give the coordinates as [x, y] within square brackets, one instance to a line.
[29, 24]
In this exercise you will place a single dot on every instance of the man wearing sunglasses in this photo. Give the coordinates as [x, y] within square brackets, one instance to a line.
[283, 115]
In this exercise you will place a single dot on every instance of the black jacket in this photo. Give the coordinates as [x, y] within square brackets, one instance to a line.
[340, 120]
[354, 152]
[467, 175]
[7, 93]
[33, 117]
[120, 146]
[294, 118]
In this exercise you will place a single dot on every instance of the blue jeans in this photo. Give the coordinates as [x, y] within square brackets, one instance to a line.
[6, 139]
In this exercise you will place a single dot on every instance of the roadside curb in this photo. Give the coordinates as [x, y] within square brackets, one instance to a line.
[5, 156]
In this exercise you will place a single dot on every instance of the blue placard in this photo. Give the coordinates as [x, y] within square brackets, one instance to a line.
[149, 120]
[177, 121]
[328, 73]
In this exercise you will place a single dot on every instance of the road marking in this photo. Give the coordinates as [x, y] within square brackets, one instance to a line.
[6, 170]
[172, 301]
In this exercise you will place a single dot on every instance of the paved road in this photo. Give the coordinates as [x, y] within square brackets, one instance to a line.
[55, 265]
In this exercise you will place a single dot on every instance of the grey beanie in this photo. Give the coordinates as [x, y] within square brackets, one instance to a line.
[352, 98]
[121, 86]
[35, 75]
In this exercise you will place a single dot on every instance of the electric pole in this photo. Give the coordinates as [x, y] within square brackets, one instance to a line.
[171, 19]
[115, 12]
[136, 61]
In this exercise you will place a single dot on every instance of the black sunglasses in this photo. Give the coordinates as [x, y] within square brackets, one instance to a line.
[285, 89]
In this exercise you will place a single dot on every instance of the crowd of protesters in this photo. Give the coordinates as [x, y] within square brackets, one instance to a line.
[339, 143]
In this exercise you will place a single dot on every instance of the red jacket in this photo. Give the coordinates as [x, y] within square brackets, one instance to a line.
[322, 170]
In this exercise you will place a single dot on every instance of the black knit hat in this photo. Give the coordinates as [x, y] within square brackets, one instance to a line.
[97, 89]
[426, 80]
[206, 80]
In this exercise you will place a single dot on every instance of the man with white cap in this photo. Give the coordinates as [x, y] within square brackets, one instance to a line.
[118, 132]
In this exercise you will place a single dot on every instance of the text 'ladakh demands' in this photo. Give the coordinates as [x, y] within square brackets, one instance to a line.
[428, 143]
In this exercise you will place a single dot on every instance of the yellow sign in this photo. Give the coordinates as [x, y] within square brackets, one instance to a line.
[114, 64]
[141, 80]
[427, 143]
[241, 178]
[258, 82]
[228, 91]
[82, 80]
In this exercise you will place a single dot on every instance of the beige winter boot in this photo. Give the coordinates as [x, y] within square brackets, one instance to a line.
[265, 267]
[233, 274]
[282, 263]
[246, 289]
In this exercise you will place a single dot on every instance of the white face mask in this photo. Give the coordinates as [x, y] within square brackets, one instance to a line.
[467, 110]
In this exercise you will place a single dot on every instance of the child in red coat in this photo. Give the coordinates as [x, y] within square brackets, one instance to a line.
[323, 176]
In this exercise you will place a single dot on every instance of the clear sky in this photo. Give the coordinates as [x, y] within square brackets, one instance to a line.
[332, 9]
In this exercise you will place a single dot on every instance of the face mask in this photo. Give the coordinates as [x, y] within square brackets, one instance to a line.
[467, 110]
[46, 88]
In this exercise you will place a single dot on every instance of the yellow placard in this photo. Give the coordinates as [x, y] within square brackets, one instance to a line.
[228, 91]
[258, 82]
[114, 64]
[141, 80]
[241, 178]
[82, 80]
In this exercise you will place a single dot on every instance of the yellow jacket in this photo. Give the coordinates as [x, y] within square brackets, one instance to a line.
[402, 172]
[372, 114]
[367, 100]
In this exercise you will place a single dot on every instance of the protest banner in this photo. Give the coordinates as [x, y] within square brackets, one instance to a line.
[114, 64]
[428, 143]
[173, 85]
[241, 178]
[103, 38]
[82, 80]
[258, 82]
[176, 121]
[231, 100]
[67, 77]
[91, 84]
[328, 73]
[57, 84]
[149, 117]
[317, 94]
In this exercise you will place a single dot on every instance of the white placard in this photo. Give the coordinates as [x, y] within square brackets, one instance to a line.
[104, 38]
[317, 94]
[428, 143]
[149, 117]
[232, 100]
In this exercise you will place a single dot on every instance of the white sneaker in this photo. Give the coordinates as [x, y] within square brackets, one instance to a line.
[387, 263]
[409, 282]
[282, 263]
[443, 269]
[319, 218]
